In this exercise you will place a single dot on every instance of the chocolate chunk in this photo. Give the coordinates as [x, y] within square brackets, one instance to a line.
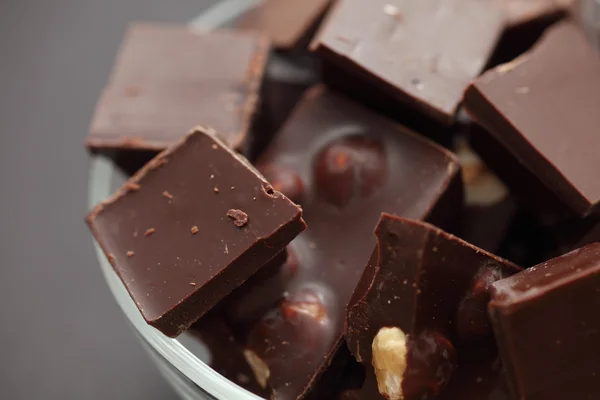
[417, 52]
[542, 107]
[168, 79]
[422, 296]
[219, 257]
[286, 23]
[343, 164]
[547, 326]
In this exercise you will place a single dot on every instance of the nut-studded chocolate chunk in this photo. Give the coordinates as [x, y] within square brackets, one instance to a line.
[422, 295]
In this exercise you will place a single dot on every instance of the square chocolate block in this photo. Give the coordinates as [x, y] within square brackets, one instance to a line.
[192, 225]
[344, 164]
[420, 53]
[168, 79]
[543, 109]
[547, 327]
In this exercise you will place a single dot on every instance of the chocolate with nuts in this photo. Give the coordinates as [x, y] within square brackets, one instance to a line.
[343, 164]
[179, 255]
[547, 327]
[168, 79]
[421, 302]
[545, 121]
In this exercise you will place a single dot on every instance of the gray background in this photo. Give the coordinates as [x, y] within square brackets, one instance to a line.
[61, 333]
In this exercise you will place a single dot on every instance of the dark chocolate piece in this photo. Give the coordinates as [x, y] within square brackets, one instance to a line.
[422, 296]
[343, 164]
[286, 23]
[178, 273]
[422, 53]
[168, 79]
[547, 326]
[542, 107]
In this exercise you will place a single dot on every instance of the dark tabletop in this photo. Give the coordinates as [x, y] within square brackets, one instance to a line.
[62, 335]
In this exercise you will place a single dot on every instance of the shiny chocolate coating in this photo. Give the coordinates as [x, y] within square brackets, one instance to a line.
[417, 279]
[352, 164]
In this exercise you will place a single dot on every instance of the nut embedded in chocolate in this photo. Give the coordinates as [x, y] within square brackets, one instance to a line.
[350, 167]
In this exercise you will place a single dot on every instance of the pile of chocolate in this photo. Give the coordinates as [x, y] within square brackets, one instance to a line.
[434, 141]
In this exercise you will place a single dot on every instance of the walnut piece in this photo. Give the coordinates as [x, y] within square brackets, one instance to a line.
[389, 361]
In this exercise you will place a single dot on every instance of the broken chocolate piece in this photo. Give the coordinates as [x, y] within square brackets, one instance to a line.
[542, 108]
[168, 79]
[423, 294]
[218, 257]
[343, 164]
[547, 327]
[420, 53]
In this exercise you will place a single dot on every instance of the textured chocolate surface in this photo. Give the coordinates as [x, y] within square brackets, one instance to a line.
[168, 79]
[433, 287]
[344, 165]
[547, 326]
[169, 235]
[545, 117]
[422, 53]
[285, 22]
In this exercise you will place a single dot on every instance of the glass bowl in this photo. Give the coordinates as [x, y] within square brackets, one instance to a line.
[183, 361]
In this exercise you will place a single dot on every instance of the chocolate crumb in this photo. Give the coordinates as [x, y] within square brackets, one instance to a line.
[240, 218]
[216, 189]
[134, 187]
[111, 258]
[167, 195]
[194, 230]
[233, 188]
[149, 231]
[130, 253]
[214, 147]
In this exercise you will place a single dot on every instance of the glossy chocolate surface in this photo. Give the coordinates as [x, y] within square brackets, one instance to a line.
[422, 53]
[168, 79]
[547, 118]
[170, 237]
[547, 325]
[344, 165]
[285, 22]
[432, 286]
